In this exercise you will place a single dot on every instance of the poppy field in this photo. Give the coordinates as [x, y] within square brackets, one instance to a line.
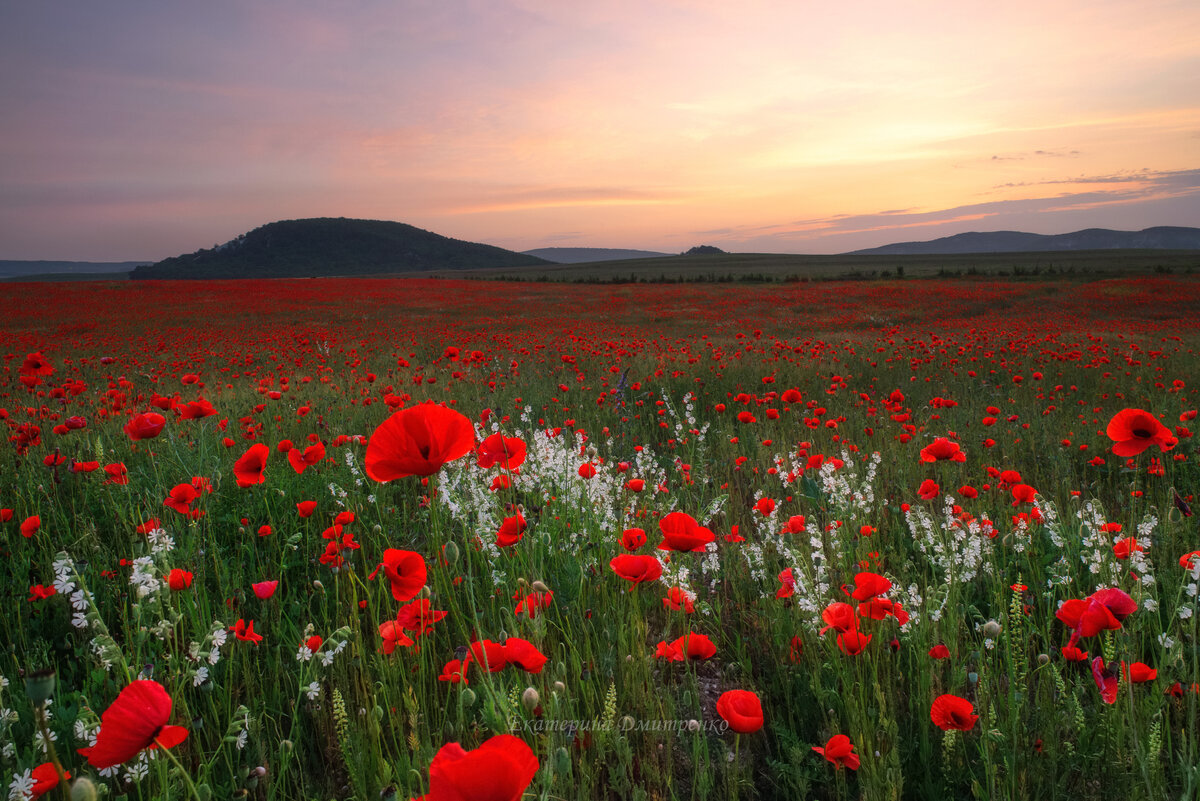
[309, 539]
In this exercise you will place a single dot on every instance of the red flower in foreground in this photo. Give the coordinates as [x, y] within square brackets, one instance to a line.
[636, 568]
[742, 710]
[928, 490]
[951, 712]
[179, 579]
[633, 538]
[787, 583]
[301, 460]
[511, 531]
[501, 769]
[689, 646]
[1134, 430]
[681, 532]
[45, 779]
[145, 426]
[245, 631]
[117, 473]
[405, 571]
[868, 585]
[30, 526]
[524, 655]
[136, 720]
[1106, 679]
[417, 441]
[248, 470]
[941, 450]
[840, 751]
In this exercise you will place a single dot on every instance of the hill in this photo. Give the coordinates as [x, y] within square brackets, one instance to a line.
[1160, 238]
[327, 246]
[582, 255]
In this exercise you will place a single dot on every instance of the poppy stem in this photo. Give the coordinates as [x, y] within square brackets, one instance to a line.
[40, 710]
[192, 791]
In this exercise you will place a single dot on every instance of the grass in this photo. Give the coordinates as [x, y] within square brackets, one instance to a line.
[638, 381]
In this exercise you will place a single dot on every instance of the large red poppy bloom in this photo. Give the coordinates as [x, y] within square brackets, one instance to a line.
[681, 532]
[636, 568]
[840, 751]
[136, 720]
[417, 441]
[742, 710]
[951, 712]
[1134, 430]
[248, 470]
[689, 646]
[942, 450]
[524, 654]
[145, 426]
[839, 616]
[405, 571]
[868, 585]
[299, 460]
[498, 770]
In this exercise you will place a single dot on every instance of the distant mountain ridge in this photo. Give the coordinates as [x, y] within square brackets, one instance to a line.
[1158, 238]
[581, 255]
[328, 246]
[16, 267]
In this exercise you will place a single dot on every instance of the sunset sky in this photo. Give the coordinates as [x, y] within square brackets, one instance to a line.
[141, 130]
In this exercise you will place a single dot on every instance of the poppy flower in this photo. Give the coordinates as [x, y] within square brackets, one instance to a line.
[302, 460]
[1105, 676]
[393, 635]
[491, 656]
[951, 712]
[306, 508]
[508, 452]
[405, 572]
[633, 538]
[533, 603]
[264, 589]
[45, 778]
[939, 651]
[681, 532]
[417, 616]
[524, 655]
[40, 592]
[179, 579]
[868, 585]
[742, 710]
[587, 471]
[248, 469]
[417, 441]
[136, 720]
[765, 506]
[145, 426]
[1134, 430]
[853, 642]
[1139, 672]
[840, 751]
[30, 525]
[928, 490]
[245, 631]
[117, 473]
[636, 568]
[787, 583]
[1073, 654]
[635, 485]
[1023, 493]
[689, 646]
[36, 364]
[942, 450]
[678, 600]
[838, 616]
[511, 531]
[501, 768]
[180, 498]
[455, 671]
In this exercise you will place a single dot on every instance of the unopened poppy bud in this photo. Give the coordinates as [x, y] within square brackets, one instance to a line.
[1043, 659]
[973, 677]
[260, 771]
[424, 593]
[521, 582]
[286, 746]
[450, 552]
[39, 685]
[562, 761]
[538, 586]
[530, 698]
[991, 629]
[502, 637]
[468, 697]
[559, 687]
[377, 712]
[693, 725]
[82, 789]
[378, 529]
[317, 585]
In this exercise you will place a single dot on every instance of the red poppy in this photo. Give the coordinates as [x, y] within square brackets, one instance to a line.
[1023, 493]
[491, 656]
[45, 779]
[868, 585]
[306, 508]
[587, 471]
[511, 531]
[928, 490]
[1073, 654]
[40, 592]
[405, 572]
[939, 651]
[417, 441]
[455, 671]
[840, 751]
[393, 635]
[301, 460]
[951, 712]
[787, 583]
[1139, 672]
[135, 721]
[635, 485]
[689, 646]
[417, 616]
[681, 532]
[524, 655]
[678, 600]
[179, 579]
[180, 498]
[1134, 430]
[264, 589]
[533, 603]
[942, 450]
[853, 642]
[636, 568]
[145, 426]
[245, 631]
[633, 538]
[508, 452]
[765, 506]
[1123, 548]
[30, 526]
[501, 769]
[839, 616]
[36, 364]
[1105, 675]
[248, 470]
[742, 710]
[117, 473]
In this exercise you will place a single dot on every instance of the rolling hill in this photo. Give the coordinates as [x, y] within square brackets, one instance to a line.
[327, 246]
[1160, 238]
[581, 255]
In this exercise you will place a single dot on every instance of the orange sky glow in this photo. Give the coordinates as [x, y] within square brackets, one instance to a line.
[144, 130]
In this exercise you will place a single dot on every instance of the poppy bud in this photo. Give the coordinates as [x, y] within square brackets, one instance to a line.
[468, 697]
[424, 592]
[559, 687]
[562, 762]
[530, 698]
[82, 789]
[693, 725]
[538, 586]
[1043, 659]
[39, 685]
[991, 629]
[450, 552]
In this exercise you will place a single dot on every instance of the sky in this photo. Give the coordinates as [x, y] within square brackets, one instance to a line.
[142, 130]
